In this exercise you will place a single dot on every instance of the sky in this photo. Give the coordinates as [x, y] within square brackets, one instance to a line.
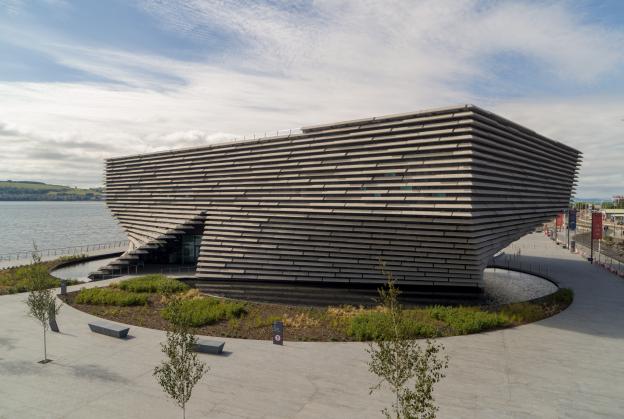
[84, 80]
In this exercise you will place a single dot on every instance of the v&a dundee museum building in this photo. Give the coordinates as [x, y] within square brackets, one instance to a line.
[434, 194]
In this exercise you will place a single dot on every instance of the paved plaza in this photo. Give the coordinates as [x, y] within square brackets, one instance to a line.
[568, 366]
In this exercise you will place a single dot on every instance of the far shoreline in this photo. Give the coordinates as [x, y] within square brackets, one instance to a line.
[52, 200]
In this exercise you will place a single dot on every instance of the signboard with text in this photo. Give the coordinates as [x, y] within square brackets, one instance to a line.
[572, 219]
[596, 226]
[559, 221]
[278, 333]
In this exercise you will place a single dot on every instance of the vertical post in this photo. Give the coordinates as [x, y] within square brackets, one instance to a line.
[52, 320]
[591, 236]
[568, 228]
[556, 231]
[572, 214]
[599, 249]
[591, 251]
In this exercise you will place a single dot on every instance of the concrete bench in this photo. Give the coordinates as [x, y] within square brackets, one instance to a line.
[209, 346]
[109, 329]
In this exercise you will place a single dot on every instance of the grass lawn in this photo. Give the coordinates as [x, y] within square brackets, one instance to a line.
[24, 188]
[13, 280]
[233, 318]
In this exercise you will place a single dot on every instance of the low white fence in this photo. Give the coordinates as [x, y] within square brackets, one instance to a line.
[609, 263]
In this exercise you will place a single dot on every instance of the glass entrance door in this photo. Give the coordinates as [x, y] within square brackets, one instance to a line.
[190, 249]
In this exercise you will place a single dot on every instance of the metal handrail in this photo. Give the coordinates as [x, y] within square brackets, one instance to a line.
[233, 139]
[61, 251]
[606, 261]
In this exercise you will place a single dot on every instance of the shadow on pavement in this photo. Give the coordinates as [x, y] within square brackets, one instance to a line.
[83, 371]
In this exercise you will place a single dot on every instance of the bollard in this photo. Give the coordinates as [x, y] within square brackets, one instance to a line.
[63, 287]
[52, 321]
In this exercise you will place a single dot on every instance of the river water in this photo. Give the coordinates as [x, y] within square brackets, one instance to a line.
[55, 224]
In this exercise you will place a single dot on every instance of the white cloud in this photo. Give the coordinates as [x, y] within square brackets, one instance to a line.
[307, 63]
[594, 125]
[565, 46]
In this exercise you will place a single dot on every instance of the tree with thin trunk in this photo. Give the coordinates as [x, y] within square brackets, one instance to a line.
[179, 373]
[41, 300]
[398, 360]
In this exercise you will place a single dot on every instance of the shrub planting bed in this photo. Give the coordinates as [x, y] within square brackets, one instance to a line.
[203, 311]
[221, 317]
[14, 280]
[110, 297]
[152, 283]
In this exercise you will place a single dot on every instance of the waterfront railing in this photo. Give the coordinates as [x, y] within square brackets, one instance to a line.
[86, 249]
[604, 258]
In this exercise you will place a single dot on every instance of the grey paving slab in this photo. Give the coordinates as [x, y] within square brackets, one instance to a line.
[568, 366]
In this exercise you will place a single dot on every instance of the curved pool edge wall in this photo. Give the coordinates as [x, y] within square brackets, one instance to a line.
[533, 292]
[525, 271]
[69, 263]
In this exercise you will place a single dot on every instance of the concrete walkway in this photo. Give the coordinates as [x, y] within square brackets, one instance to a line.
[567, 366]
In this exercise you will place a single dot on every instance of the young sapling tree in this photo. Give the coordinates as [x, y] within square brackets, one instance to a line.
[181, 370]
[398, 361]
[41, 301]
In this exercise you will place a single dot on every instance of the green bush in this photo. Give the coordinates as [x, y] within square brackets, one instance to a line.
[523, 312]
[203, 311]
[110, 297]
[152, 283]
[465, 320]
[377, 325]
[448, 321]
[369, 326]
[532, 311]
[23, 285]
[563, 297]
[260, 321]
[13, 280]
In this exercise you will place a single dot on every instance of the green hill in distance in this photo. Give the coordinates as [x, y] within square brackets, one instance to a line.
[38, 191]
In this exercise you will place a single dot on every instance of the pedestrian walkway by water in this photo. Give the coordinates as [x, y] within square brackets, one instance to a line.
[52, 254]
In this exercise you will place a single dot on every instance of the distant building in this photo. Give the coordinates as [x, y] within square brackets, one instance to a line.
[614, 214]
[435, 194]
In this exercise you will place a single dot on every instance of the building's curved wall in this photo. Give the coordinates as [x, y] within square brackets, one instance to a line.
[434, 194]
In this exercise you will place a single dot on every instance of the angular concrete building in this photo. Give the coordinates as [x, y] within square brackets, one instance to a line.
[434, 194]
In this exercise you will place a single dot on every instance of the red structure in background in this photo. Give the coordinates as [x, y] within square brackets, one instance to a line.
[559, 220]
[596, 226]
